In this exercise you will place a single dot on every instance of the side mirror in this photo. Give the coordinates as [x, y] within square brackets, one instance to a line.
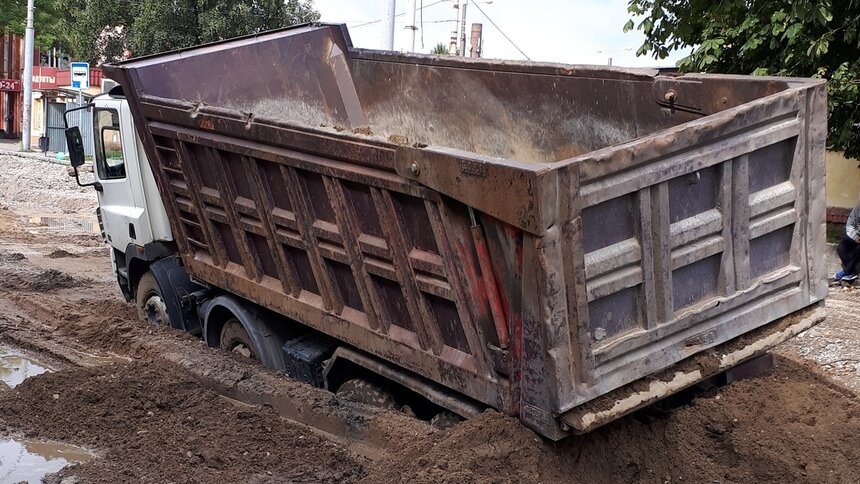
[75, 143]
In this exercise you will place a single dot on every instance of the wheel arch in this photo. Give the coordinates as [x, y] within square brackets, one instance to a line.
[179, 293]
[136, 267]
[260, 325]
[139, 258]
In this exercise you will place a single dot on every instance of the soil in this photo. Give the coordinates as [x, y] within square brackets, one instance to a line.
[152, 403]
[43, 281]
[60, 254]
[155, 423]
[794, 425]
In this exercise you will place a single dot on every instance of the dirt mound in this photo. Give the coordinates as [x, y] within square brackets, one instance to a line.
[489, 448]
[151, 422]
[12, 257]
[62, 254]
[793, 425]
[39, 281]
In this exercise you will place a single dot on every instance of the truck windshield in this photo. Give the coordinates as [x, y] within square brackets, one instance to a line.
[110, 162]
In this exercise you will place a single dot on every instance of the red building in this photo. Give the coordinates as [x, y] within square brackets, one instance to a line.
[11, 95]
[50, 86]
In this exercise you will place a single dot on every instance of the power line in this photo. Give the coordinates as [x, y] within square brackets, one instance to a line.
[398, 15]
[500, 30]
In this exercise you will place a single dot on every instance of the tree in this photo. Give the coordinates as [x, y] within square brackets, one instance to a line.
[105, 30]
[47, 20]
[440, 49]
[808, 38]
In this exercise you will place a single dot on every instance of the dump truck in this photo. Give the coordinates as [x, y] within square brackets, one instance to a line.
[564, 244]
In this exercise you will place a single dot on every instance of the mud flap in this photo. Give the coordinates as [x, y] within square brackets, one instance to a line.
[687, 373]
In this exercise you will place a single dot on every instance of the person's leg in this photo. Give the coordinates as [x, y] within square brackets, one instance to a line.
[845, 249]
[849, 254]
[853, 260]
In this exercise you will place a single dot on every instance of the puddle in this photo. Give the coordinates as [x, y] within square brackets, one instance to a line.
[29, 461]
[62, 223]
[15, 367]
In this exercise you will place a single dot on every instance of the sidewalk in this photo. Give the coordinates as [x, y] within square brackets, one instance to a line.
[13, 147]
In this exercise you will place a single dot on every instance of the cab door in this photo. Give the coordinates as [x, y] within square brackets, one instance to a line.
[121, 198]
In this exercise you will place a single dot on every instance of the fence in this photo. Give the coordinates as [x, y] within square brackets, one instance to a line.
[54, 127]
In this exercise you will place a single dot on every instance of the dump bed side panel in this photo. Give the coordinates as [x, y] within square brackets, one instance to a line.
[314, 225]
[353, 251]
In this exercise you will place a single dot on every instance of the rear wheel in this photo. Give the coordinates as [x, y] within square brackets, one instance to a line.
[150, 303]
[445, 420]
[235, 339]
[363, 391]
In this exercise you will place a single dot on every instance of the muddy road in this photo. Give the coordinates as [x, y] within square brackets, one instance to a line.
[89, 394]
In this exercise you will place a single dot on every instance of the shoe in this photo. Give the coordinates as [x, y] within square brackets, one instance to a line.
[839, 275]
[849, 277]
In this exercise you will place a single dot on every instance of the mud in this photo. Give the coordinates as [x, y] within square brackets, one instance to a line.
[61, 254]
[152, 423]
[794, 425]
[150, 404]
[43, 281]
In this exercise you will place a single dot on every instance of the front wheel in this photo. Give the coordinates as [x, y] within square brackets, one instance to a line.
[150, 302]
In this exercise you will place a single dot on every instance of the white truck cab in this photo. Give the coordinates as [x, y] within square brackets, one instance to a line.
[131, 209]
[132, 217]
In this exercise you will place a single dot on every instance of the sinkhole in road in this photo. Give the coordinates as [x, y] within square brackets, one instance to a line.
[25, 460]
[15, 367]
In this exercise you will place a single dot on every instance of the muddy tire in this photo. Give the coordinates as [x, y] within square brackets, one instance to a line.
[445, 420]
[150, 302]
[235, 339]
[363, 391]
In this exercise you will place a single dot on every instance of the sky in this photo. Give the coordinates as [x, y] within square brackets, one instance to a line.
[565, 31]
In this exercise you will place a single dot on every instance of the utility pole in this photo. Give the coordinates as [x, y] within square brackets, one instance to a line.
[412, 26]
[388, 24]
[463, 5]
[29, 45]
[455, 34]
[476, 41]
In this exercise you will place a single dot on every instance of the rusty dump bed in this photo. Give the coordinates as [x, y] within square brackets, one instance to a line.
[531, 236]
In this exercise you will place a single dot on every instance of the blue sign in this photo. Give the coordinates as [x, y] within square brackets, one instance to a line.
[80, 75]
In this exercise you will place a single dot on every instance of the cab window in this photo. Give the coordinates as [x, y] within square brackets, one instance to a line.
[108, 142]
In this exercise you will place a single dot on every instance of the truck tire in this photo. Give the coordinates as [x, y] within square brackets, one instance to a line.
[363, 391]
[235, 339]
[445, 420]
[150, 302]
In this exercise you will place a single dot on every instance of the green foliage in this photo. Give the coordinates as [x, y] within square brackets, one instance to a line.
[440, 49]
[808, 38]
[105, 30]
[47, 20]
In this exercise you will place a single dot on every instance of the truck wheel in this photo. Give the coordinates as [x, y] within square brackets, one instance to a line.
[150, 304]
[235, 339]
[362, 391]
[445, 420]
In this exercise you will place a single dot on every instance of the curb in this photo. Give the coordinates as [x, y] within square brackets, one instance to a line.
[35, 155]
